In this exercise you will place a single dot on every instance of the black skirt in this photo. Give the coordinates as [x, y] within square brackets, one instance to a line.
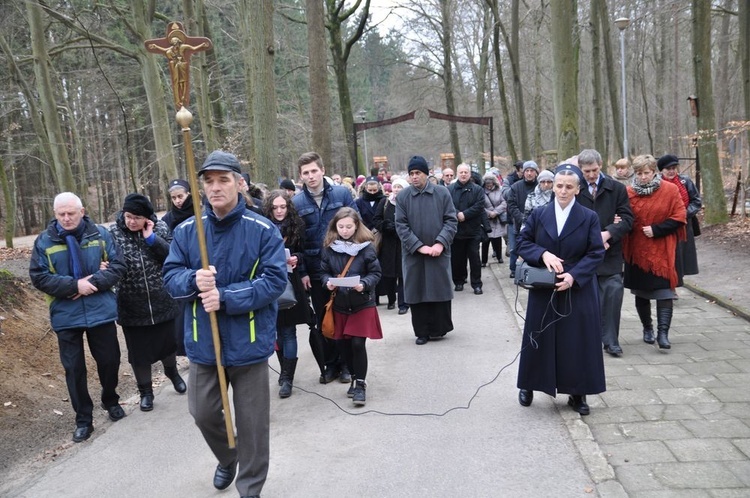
[148, 344]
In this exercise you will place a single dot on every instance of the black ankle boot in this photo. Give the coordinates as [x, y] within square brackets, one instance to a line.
[177, 382]
[663, 321]
[147, 397]
[644, 313]
[289, 366]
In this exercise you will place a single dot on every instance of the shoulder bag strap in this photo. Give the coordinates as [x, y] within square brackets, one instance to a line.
[346, 268]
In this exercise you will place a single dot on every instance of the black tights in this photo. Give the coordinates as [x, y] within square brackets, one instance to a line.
[354, 352]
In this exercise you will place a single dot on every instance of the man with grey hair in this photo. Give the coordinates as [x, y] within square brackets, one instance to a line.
[609, 199]
[241, 290]
[76, 263]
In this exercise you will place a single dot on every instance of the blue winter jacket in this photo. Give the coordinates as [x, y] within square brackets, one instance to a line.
[317, 219]
[50, 272]
[248, 253]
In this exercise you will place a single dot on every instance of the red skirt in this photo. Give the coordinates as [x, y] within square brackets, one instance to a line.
[363, 323]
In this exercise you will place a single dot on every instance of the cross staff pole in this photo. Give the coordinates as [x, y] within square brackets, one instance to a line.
[178, 47]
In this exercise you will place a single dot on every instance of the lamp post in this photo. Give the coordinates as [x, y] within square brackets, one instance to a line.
[622, 23]
[363, 116]
[694, 111]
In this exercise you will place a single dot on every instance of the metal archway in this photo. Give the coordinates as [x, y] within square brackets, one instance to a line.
[367, 125]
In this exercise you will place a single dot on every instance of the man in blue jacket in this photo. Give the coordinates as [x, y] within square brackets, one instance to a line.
[247, 275]
[75, 262]
[317, 204]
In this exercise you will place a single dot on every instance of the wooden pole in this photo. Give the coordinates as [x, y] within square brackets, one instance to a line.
[177, 48]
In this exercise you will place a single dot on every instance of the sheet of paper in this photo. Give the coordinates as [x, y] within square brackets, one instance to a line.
[288, 255]
[345, 281]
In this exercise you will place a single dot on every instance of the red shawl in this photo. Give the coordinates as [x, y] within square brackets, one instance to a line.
[655, 255]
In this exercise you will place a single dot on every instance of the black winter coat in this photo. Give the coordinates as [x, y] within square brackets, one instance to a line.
[611, 199]
[365, 264]
[390, 245]
[517, 201]
[299, 313]
[469, 200]
[141, 297]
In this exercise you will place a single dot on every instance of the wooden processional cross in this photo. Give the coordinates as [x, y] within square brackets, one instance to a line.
[178, 47]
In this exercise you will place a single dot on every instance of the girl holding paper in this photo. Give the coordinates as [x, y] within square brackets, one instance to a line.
[355, 315]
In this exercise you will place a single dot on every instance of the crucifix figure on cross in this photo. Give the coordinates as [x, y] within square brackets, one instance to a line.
[178, 47]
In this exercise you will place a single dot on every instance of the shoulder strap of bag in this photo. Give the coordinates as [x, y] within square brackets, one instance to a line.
[346, 268]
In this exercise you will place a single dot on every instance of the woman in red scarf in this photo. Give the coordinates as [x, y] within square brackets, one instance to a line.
[649, 250]
[687, 257]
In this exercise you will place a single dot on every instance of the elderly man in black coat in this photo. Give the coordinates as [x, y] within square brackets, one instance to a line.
[609, 199]
[468, 199]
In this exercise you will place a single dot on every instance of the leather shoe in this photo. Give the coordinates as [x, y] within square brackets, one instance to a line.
[512, 274]
[422, 340]
[391, 306]
[115, 412]
[578, 403]
[224, 476]
[403, 311]
[147, 402]
[613, 350]
[459, 287]
[82, 433]
[525, 397]
[478, 291]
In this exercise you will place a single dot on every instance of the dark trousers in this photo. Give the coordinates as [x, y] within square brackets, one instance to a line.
[497, 246]
[319, 296]
[611, 292]
[394, 289]
[105, 349]
[251, 398]
[461, 251]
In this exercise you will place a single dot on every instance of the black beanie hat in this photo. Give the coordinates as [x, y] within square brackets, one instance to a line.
[287, 184]
[419, 163]
[138, 205]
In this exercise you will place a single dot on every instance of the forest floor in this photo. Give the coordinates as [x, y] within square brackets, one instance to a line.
[36, 417]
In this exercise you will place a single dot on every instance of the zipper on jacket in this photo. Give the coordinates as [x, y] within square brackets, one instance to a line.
[145, 279]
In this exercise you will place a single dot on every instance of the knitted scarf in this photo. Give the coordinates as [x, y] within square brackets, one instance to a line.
[654, 255]
[681, 187]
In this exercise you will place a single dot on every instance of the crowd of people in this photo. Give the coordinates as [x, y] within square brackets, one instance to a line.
[341, 243]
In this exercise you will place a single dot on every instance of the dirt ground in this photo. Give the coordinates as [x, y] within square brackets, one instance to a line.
[36, 417]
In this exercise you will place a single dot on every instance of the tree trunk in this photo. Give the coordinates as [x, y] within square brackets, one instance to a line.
[10, 201]
[35, 113]
[515, 65]
[596, 71]
[744, 16]
[261, 48]
[500, 82]
[612, 79]
[320, 98]
[565, 45]
[450, 102]
[157, 106]
[336, 17]
[63, 173]
[713, 186]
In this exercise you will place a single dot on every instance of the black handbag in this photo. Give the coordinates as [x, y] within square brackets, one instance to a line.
[287, 299]
[531, 277]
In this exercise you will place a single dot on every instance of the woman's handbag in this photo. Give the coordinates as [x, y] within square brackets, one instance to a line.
[287, 299]
[327, 326]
